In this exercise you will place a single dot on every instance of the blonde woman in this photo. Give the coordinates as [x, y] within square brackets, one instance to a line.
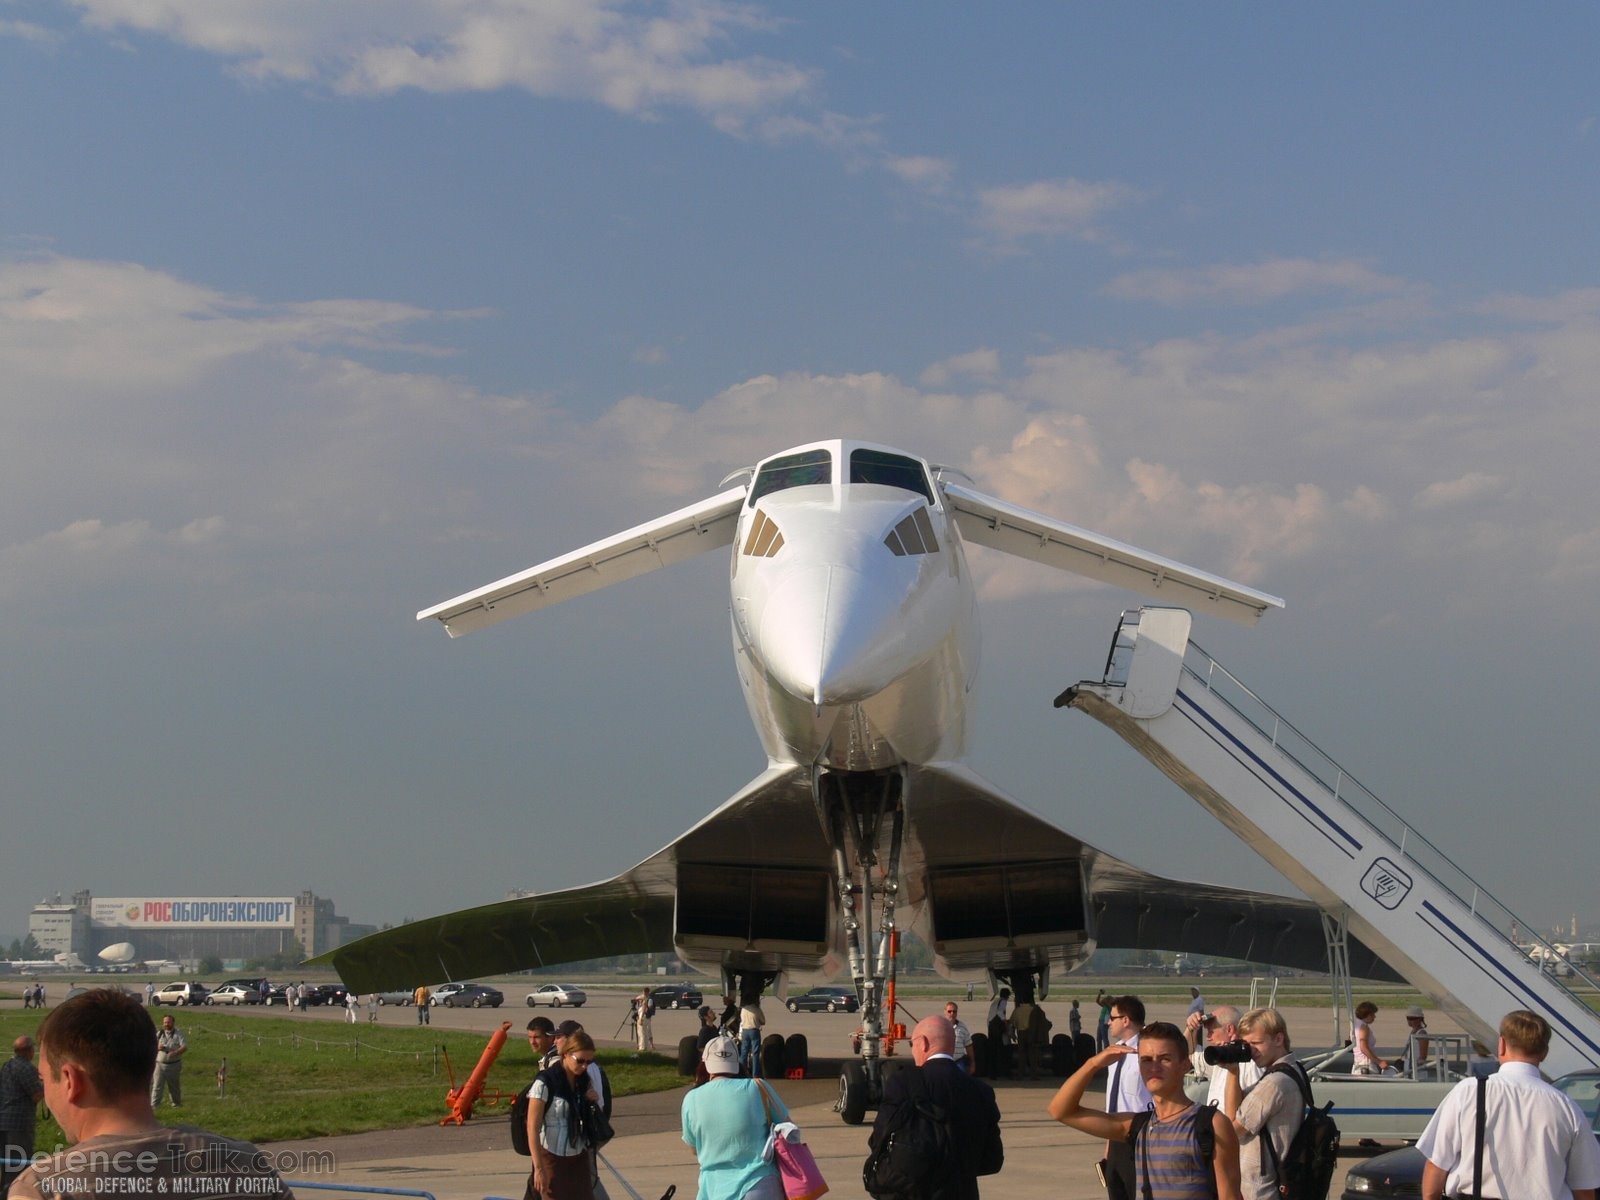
[561, 1168]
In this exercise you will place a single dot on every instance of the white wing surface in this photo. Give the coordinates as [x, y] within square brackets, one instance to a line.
[706, 525]
[987, 521]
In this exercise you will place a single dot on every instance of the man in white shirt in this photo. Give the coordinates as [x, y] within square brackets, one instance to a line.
[1537, 1144]
[963, 1051]
[1125, 1091]
[1220, 1027]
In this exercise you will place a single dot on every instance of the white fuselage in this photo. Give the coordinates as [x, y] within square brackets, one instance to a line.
[851, 656]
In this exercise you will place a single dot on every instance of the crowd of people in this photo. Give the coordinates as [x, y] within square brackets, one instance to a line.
[104, 1068]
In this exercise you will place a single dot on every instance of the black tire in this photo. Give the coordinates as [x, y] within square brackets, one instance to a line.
[1084, 1046]
[688, 1054]
[1062, 1060]
[794, 1006]
[980, 1055]
[555, 1001]
[772, 1058]
[531, 1003]
[832, 1007]
[477, 1002]
[796, 1054]
[381, 1002]
[853, 1093]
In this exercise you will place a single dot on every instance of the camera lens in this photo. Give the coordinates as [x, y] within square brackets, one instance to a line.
[1232, 1052]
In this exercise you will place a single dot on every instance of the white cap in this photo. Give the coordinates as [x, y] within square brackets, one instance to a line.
[721, 1056]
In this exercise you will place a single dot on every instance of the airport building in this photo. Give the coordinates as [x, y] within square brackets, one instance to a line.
[235, 929]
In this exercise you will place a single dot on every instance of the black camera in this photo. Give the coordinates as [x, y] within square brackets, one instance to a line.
[1232, 1052]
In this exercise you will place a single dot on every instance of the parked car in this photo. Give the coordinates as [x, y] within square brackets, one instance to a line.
[179, 994]
[327, 993]
[677, 995]
[443, 992]
[276, 995]
[557, 995]
[1398, 1173]
[825, 999]
[474, 995]
[252, 982]
[233, 993]
[396, 998]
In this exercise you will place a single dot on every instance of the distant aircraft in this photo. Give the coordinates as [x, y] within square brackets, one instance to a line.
[855, 639]
[66, 961]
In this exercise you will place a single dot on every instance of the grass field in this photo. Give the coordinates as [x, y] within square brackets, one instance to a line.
[285, 1081]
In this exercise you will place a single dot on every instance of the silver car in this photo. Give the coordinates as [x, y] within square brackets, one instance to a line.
[557, 995]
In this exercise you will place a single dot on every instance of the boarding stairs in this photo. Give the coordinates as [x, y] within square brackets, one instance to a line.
[1375, 877]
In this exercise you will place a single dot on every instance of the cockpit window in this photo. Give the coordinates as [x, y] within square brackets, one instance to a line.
[914, 535]
[891, 470]
[792, 470]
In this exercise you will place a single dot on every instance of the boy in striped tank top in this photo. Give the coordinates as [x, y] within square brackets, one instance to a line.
[1169, 1140]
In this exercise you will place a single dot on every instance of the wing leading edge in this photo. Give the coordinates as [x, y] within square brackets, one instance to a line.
[987, 521]
[706, 525]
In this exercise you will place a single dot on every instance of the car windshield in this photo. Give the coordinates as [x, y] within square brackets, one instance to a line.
[1584, 1090]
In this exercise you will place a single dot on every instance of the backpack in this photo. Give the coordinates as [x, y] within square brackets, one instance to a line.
[915, 1154]
[519, 1123]
[1205, 1139]
[1306, 1171]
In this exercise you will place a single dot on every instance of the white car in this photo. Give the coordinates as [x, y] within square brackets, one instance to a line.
[439, 994]
[556, 995]
[178, 994]
[232, 993]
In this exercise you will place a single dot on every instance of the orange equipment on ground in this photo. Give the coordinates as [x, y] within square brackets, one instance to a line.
[462, 1099]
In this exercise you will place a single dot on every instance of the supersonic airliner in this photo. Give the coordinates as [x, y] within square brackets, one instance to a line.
[855, 638]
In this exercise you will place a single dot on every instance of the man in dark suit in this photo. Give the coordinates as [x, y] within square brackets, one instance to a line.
[968, 1103]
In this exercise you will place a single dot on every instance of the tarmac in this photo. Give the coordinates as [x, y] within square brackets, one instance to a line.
[1044, 1160]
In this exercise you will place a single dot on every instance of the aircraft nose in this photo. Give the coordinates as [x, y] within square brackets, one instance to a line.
[833, 635]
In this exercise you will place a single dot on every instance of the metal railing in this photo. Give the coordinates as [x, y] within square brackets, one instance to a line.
[1406, 842]
[1340, 785]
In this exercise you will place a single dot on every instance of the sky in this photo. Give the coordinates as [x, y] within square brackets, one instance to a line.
[313, 316]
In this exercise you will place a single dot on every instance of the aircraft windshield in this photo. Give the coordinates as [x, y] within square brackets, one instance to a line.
[891, 470]
[792, 470]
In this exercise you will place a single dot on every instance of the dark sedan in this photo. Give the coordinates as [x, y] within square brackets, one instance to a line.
[825, 999]
[677, 995]
[474, 995]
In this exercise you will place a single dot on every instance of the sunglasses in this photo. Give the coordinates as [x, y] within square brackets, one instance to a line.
[582, 1062]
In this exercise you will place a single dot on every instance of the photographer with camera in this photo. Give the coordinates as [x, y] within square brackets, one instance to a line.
[1273, 1108]
[1220, 1029]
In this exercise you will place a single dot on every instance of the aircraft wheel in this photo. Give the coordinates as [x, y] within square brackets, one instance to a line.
[980, 1055]
[688, 1054]
[853, 1093]
[1062, 1061]
[796, 1054]
[1085, 1047]
[772, 1058]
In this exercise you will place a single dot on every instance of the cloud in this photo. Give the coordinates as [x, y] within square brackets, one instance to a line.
[1474, 485]
[634, 58]
[1048, 208]
[234, 457]
[974, 364]
[922, 171]
[1255, 283]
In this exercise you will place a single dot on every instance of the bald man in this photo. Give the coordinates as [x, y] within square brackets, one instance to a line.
[968, 1103]
[20, 1092]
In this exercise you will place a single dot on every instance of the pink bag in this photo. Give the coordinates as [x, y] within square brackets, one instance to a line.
[797, 1166]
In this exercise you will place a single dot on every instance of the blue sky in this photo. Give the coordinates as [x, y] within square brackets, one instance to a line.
[314, 315]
